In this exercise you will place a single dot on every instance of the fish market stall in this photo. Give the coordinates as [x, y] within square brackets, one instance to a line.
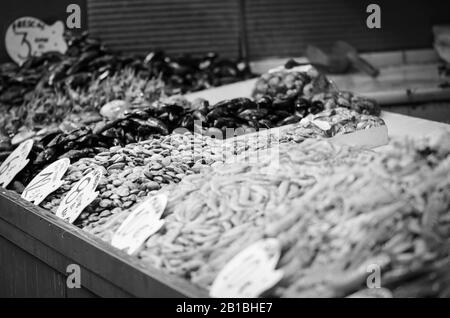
[231, 174]
[49, 244]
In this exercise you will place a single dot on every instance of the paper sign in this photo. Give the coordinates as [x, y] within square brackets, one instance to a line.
[249, 273]
[79, 197]
[15, 162]
[144, 221]
[28, 36]
[47, 181]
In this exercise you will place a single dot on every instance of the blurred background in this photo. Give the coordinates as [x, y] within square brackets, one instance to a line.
[252, 29]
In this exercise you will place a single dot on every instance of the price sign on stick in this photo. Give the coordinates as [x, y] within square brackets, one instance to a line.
[15, 162]
[144, 221]
[249, 273]
[79, 197]
[47, 181]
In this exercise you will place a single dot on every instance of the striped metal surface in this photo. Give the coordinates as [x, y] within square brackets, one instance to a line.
[285, 27]
[272, 27]
[177, 26]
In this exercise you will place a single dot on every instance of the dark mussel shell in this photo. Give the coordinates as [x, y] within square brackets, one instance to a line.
[253, 114]
[236, 103]
[281, 114]
[301, 103]
[264, 102]
[199, 115]
[201, 105]
[241, 103]
[151, 124]
[58, 73]
[78, 80]
[316, 107]
[287, 104]
[187, 122]
[289, 120]
[253, 124]
[45, 156]
[217, 112]
[227, 122]
[140, 114]
[265, 123]
[170, 111]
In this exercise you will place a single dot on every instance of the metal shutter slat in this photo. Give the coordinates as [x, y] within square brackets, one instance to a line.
[195, 26]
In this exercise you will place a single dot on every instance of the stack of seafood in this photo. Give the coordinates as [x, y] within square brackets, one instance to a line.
[87, 59]
[165, 118]
[309, 92]
[46, 89]
[149, 164]
[140, 116]
[336, 212]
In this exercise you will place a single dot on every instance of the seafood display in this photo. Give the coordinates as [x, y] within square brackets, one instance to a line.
[309, 92]
[46, 91]
[235, 172]
[87, 59]
[165, 118]
[335, 210]
[130, 119]
[133, 171]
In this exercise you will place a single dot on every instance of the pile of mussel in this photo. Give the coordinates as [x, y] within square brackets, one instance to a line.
[126, 121]
[87, 59]
[162, 118]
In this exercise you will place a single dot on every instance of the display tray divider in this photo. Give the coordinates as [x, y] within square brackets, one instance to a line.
[36, 247]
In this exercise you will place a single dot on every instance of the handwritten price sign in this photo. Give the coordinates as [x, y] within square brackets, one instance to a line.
[28, 36]
[47, 181]
[79, 197]
[249, 273]
[144, 221]
[15, 162]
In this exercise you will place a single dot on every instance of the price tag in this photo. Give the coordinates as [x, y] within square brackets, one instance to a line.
[15, 162]
[28, 36]
[249, 273]
[47, 181]
[144, 221]
[79, 197]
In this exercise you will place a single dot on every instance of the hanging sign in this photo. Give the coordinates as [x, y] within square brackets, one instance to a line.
[28, 36]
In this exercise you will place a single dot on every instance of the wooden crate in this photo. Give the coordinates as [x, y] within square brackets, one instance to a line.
[36, 247]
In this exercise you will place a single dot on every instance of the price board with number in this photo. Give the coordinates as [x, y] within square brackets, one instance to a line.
[28, 36]
[47, 181]
[249, 273]
[144, 221]
[15, 162]
[80, 196]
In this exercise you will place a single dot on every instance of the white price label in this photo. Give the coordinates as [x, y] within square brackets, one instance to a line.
[79, 197]
[15, 162]
[249, 273]
[28, 36]
[47, 181]
[144, 221]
